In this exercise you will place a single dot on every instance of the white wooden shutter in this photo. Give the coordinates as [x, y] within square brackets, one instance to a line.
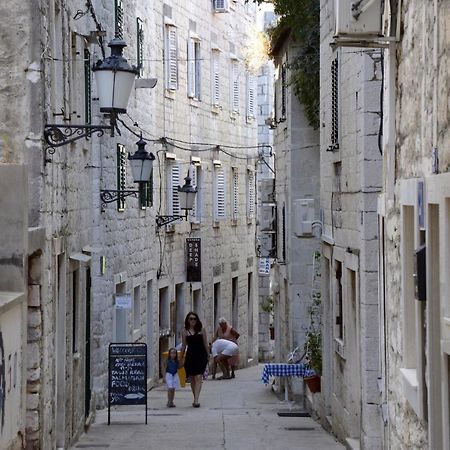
[235, 86]
[173, 200]
[171, 57]
[215, 78]
[220, 194]
[250, 194]
[250, 97]
[197, 72]
[190, 68]
[235, 188]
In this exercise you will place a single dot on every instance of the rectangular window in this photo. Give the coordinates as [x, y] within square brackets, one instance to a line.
[75, 300]
[251, 93]
[87, 87]
[146, 193]
[339, 311]
[173, 182]
[121, 174]
[250, 194]
[193, 68]
[235, 92]
[219, 193]
[139, 46]
[215, 77]
[171, 58]
[118, 18]
[235, 193]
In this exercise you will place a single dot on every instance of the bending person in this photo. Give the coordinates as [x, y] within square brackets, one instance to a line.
[226, 331]
[222, 351]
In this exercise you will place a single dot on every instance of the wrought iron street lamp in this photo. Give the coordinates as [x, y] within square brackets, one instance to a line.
[141, 163]
[186, 195]
[114, 77]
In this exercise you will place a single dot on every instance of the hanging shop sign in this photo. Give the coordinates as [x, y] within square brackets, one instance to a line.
[194, 259]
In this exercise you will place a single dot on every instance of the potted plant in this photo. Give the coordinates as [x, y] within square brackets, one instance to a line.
[313, 343]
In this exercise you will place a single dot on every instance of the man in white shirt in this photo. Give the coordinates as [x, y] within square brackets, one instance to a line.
[222, 350]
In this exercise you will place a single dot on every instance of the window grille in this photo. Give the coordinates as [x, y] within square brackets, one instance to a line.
[334, 106]
[87, 87]
[121, 174]
[140, 46]
[171, 58]
[283, 92]
[118, 15]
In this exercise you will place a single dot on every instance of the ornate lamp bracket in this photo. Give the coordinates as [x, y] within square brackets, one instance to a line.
[165, 220]
[112, 195]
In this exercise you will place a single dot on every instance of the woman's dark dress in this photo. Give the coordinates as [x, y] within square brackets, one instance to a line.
[196, 356]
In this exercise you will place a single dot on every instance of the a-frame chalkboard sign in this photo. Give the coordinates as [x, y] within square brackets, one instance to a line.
[127, 375]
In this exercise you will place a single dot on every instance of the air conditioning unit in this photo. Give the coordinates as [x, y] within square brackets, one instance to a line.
[267, 218]
[359, 17]
[221, 6]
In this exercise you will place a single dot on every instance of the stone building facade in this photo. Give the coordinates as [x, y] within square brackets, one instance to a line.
[413, 217]
[82, 257]
[350, 180]
[297, 156]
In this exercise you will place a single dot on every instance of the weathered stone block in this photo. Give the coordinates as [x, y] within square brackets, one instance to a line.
[34, 295]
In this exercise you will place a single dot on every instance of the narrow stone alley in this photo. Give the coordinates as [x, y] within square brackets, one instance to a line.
[235, 414]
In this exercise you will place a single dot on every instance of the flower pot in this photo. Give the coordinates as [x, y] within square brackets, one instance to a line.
[313, 383]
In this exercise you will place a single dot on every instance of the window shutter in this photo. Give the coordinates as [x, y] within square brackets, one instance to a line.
[191, 68]
[250, 194]
[140, 45]
[235, 86]
[87, 87]
[121, 174]
[215, 78]
[197, 70]
[118, 15]
[172, 57]
[250, 97]
[283, 92]
[174, 200]
[220, 194]
[235, 188]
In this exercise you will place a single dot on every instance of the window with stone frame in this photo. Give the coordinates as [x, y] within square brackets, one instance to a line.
[250, 194]
[251, 97]
[235, 86]
[235, 193]
[173, 183]
[193, 68]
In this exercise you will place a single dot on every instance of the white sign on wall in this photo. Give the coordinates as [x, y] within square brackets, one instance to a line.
[264, 266]
[123, 301]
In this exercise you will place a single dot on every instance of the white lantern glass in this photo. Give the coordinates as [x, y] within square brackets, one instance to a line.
[141, 169]
[114, 89]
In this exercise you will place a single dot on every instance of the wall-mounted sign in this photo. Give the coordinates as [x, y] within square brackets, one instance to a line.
[123, 301]
[264, 266]
[194, 260]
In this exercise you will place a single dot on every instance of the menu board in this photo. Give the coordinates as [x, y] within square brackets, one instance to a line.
[127, 376]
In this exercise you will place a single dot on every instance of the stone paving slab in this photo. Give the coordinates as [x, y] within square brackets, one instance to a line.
[236, 414]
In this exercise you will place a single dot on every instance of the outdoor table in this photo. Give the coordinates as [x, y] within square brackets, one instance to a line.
[285, 370]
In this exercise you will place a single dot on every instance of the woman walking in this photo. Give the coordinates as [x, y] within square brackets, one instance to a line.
[196, 357]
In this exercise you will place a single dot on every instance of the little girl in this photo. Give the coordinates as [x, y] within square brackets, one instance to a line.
[171, 375]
